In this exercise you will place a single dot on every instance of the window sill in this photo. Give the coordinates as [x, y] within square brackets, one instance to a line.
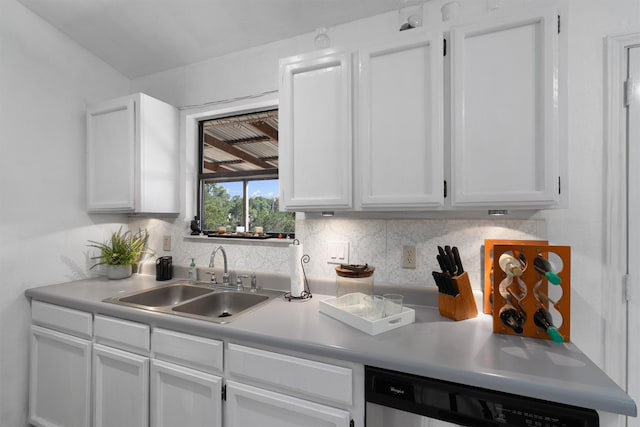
[266, 242]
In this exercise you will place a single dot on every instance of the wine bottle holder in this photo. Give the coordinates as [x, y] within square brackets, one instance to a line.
[531, 290]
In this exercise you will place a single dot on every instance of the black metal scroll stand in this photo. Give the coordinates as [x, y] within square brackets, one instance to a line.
[305, 295]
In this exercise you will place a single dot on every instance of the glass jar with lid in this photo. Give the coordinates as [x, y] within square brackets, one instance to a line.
[354, 278]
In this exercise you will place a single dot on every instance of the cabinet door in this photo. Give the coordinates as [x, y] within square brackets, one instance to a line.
[399, 156]
[315, 146]
[252, 406]
[184, 397]
[60, 378]
[120, 388]
[504, 130]
[111, 155]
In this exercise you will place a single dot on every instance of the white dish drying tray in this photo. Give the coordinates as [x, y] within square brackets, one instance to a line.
[351, 309]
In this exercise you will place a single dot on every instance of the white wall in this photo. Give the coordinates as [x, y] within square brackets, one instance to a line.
[587, 22]
[46, 82]
[581, 226]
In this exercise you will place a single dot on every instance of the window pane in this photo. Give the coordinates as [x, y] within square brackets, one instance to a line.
[223, 204]
[238, 174]
[246, 144]
[264, 210]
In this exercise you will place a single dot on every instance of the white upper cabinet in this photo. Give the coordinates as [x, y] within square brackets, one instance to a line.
[475, 129]
[399, 149]
[504, 112]
[132, 156]
[315, 132]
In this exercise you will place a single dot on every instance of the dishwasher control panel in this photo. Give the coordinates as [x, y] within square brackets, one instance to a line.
[467, 405]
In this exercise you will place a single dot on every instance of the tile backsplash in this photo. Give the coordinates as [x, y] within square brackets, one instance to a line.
[377, 242]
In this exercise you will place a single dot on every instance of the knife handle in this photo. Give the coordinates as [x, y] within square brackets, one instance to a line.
[458, 260]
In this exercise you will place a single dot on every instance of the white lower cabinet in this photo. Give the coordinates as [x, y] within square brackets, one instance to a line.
[120, 373]
[60, 378]
[186, 380]
[253, 406]
[60, 366]
[184, 397]
[100, 371]
[269, 388]
[120, 388]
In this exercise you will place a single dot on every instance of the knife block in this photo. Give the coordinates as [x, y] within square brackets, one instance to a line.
[463, 305]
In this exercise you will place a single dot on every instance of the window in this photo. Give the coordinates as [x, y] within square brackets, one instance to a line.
[238, 174]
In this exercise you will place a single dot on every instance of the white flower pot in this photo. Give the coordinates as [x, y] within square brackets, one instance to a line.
[119, 271]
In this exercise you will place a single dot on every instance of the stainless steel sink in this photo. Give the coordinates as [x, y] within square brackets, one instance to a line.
[220, 305]
[166, 295]
[197, 301]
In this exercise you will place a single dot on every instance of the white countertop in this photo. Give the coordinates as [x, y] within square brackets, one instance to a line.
[466, 352]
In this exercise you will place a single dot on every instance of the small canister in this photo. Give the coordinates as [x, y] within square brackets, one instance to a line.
[354, 278]
[164, 268]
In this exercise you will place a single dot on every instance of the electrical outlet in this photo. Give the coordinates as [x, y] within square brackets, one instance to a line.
[409, 257]
[166, 242]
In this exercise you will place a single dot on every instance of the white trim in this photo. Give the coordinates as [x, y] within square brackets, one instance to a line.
[615, 208]
[189, 132]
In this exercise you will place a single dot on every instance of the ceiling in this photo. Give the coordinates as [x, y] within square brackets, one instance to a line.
[142, 37]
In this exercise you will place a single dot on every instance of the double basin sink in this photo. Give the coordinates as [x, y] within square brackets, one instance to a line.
[197, 301]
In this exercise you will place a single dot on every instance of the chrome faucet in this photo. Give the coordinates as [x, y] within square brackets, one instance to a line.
[225, 276]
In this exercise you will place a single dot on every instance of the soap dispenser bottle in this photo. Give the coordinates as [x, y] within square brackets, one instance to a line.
[193, 272]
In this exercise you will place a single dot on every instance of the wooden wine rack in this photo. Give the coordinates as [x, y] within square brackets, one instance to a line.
[531, 290]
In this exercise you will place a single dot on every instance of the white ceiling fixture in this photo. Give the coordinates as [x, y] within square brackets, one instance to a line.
[142, 37]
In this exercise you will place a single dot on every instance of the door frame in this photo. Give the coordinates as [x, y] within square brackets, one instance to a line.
[615, 250]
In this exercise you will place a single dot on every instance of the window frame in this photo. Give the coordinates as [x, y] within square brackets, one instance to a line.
[201, 178]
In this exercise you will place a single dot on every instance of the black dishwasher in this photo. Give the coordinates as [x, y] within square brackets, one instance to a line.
[395, 398]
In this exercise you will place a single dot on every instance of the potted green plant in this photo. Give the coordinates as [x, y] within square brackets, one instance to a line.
[121, 252]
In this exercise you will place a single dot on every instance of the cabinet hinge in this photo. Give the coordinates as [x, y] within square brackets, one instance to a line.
[445, 188]
[352, 423]
[626, 287]
[626, 90]
[558, 24]
[224, 392]
[444, 47]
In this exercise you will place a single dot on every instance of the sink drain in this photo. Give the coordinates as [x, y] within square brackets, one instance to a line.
[225, 314]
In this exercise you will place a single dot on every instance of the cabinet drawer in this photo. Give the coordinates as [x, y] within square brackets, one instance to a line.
[63, 319]
[293, 374]
[191, 351]
[122, 334]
